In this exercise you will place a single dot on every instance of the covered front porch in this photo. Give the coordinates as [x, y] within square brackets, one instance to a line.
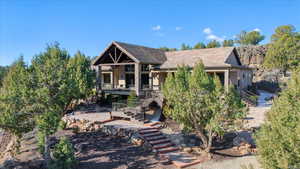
[119, 73]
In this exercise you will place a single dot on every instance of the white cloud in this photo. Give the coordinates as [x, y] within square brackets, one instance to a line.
[207, 31]
[257, 30]
[211, 36]
[156, 28]
[214, 37]
[178, 28]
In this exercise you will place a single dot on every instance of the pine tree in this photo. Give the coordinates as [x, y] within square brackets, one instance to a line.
[249, 38]
[284, 49]
[213, 44]
[227, 43]
[200, 45]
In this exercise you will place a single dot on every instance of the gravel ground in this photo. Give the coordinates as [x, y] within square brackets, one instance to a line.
[234, 163]
[99, 151]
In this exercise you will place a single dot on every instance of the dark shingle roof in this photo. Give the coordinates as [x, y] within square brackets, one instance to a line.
[212, 57]
[143, 54]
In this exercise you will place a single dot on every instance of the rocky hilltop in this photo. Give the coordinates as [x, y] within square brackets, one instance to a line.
[253, 56]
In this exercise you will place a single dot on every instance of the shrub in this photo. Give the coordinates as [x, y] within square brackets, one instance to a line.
[132, 99]
[62, 125]
[63, 154]
[278, 140]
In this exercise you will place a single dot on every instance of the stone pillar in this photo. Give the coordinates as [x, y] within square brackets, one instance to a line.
[226, 80]
[137, 78]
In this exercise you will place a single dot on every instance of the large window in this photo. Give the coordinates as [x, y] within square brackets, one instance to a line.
[129, 80]
[129, 68]
[145, 80]
[145, 68]
[106, 78]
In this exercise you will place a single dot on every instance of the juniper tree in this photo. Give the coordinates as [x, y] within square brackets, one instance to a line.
[81, 75]
[15, 101]
[201, 104]
[278, 140]
[53, 91]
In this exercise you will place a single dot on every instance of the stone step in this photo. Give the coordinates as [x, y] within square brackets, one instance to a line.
[148, 128]
[167, 150]
[160, 141]
[152, 134]
[165, 145]
[153, 138]
[153, 124]
[182, 160]
[148, 131]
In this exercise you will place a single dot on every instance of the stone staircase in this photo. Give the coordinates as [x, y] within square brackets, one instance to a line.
[164, 146]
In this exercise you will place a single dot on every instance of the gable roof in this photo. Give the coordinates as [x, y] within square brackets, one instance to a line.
[211, 57]
[140, 54]
[143, 54]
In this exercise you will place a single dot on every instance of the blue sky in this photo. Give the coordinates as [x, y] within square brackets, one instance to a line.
[89, 25]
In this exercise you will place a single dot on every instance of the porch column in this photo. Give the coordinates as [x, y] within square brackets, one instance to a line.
[137, 78]
[98, 78]
[151, 80]
[150, 77]
[226, 80]
[112, 77]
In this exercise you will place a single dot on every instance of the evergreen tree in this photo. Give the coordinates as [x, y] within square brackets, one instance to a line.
[249, 38]
[278, 139]
[284, 49]
[199, 45]
[200, 103]
[64, 155]
[54, 87]
[16, 102]
[185, 47]
[81, 75]
[227, 43]
[3, 72]
[213, 44]
[164, 48]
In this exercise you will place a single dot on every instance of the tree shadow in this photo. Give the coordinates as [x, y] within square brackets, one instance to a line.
[97, 150]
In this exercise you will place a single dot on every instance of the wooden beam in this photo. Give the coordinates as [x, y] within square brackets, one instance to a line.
[112, 57]
[115, 54]
[112, 64]
[119, 56]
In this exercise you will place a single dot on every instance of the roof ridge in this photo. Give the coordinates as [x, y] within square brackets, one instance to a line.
[199, 49]
[118, 42]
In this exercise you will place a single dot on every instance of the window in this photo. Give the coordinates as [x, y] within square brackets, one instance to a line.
[145, 80]
[129, 80]
[145, 67]
[129, 68]
[106, 78]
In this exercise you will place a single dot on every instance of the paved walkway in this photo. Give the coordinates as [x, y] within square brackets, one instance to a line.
[256, 114]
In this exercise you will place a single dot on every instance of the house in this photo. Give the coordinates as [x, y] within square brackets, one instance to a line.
[124, 67]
